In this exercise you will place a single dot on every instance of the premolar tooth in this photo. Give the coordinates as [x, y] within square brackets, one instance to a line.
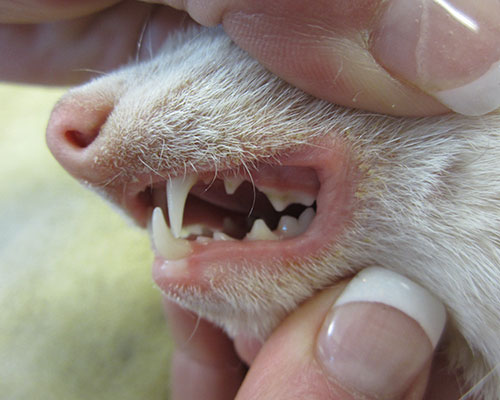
[260, 231]
[167, 246]
[288, 226]
[177, 191]
[222, 236]
[282, 199]
[232, 183]
[305, 219]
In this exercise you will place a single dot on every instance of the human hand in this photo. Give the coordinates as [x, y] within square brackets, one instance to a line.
[357, 348]
[402, 57]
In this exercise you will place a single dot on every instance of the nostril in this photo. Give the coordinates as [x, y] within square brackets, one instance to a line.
[74, 126]
[80, 139]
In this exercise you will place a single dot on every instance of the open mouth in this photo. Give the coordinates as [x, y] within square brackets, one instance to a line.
[270, 204]
[265, 216]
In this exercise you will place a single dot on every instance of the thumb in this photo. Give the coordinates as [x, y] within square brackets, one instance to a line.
[375, 342]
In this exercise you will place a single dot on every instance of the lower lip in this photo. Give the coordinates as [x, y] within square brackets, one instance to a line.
[336, 201]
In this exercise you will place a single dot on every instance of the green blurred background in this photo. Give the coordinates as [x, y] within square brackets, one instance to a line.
[80, 317]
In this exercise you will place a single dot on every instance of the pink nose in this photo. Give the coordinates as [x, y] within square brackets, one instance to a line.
[72, 133]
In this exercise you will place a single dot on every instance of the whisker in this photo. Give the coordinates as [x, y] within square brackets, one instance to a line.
[213, 179]
[198, 320]
[109, 181]
[480, 383]
[254, 189]
[151, 168]
[94, 71]
[140, 40]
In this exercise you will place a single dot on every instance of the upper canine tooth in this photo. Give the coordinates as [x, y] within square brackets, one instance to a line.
[260, 231]
[177, 191]
[282, 199]
[232, 183]
[167, 246]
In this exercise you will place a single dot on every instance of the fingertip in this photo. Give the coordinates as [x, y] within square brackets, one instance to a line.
[203, 13]
[316, 50]
[33, 11]
[449, 49]
[285, 366]
[380, 335]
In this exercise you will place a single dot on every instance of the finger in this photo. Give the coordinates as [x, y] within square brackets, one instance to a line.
[377, 341]
[204, 365]
[30, 11]
[70, 52]
[402, 57]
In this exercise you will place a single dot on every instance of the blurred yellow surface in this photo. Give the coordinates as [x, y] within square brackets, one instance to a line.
[80, 317]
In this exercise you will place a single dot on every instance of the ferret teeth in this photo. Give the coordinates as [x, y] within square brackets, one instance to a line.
[195, 230]
[305, 219]
[232, 183]
[167, 246]
[177, 191]
[282, 199]
[222, 236]
[260, 231]
[288, 227]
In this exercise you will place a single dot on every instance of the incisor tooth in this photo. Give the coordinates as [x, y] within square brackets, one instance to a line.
[260, 231]
[232, 183]
[195, 229]
[222, 236]
[167, 246]
[282, 199]
[177, 191]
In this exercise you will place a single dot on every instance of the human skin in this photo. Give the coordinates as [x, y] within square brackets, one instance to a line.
[90, 37]
[335, 50]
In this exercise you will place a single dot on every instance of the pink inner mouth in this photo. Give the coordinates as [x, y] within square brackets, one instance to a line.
[327, 173]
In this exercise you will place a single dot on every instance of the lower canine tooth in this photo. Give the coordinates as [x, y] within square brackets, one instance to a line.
[167, 246]
[260, 231]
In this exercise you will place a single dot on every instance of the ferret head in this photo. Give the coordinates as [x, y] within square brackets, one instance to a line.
[271, 195]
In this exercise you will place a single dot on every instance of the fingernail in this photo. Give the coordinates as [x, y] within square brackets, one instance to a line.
[379, 334]
[448, 48]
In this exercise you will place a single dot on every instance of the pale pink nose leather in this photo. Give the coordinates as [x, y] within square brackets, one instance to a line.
[72, 132]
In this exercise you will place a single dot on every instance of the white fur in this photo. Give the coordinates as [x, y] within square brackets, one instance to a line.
[428, 205]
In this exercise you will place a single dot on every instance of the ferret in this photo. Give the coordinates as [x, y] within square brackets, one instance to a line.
[258, 195]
